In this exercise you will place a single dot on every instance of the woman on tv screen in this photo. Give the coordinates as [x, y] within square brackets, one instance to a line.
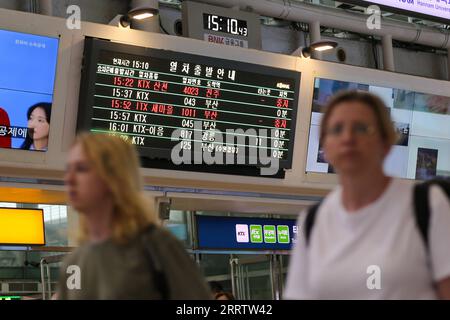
[38, 127]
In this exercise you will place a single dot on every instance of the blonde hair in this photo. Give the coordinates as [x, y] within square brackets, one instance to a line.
[117, 163]
[374, 103]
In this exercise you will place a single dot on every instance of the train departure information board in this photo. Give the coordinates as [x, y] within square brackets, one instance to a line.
[160, 99]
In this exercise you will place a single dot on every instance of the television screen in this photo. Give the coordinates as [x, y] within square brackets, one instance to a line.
[162, 100]
[27, 76]
[22, 227]
[421, 120]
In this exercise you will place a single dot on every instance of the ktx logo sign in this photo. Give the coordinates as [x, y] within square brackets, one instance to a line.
[242, 233]
[258, 233]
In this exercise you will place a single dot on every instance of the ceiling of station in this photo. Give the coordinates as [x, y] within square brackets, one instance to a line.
[350, 8]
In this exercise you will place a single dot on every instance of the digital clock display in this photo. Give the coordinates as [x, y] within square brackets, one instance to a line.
[228, 25]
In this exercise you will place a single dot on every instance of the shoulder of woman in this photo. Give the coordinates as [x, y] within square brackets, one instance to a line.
[157, 232]
[329, 201]
[439, 199]
[73, 256]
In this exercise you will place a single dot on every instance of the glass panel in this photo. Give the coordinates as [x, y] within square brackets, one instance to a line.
[285, 260]
[259, 281]
[421, 120]
[217, 272]
[55, 218]
[178, 226]
[8, 205]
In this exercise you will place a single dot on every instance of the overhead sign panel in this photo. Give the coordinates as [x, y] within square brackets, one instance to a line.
[22, 226]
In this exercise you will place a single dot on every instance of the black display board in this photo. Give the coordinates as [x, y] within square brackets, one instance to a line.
[146, 94]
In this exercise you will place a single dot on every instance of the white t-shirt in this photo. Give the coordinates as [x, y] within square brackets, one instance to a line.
[376, 252]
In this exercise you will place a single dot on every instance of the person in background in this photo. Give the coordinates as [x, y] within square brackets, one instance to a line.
[215, 287]
[123, 252]
[38, 116]
[364, 243]
[218, 292]
[223, 295]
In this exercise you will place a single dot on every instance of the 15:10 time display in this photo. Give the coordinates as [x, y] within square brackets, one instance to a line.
[234, 26]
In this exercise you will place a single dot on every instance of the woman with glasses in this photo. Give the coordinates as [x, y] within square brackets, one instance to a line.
[365, 243]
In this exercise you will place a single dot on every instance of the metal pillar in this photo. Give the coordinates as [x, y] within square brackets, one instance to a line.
[388, 53]
[314, 32]
[448, 64]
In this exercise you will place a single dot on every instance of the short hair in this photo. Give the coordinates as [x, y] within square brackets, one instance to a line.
[228, 295]
[373, 102]
[215, 286]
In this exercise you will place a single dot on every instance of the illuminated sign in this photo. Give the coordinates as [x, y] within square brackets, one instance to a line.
[228, 25]
[27, 76]
[10, 298]
[22, 226]
[221, 25]
[420, 120]
[229, 233]
[146, 95]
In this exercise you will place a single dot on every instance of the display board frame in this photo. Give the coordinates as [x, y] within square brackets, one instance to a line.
[93, 47]
[379, 78]
[40, 159]
[192, 19]
[248, 244]
[24, 244]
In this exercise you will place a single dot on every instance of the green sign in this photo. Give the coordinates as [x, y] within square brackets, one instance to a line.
[9, 298]
[283, 234]
[269, 234]
[256, 235]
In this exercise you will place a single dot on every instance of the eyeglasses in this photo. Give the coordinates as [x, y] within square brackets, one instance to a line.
[358, 129]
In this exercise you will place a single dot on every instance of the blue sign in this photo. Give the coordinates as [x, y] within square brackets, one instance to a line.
[231, 233]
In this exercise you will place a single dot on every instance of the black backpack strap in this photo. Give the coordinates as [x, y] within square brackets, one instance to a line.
[422, 210]
[309, 221]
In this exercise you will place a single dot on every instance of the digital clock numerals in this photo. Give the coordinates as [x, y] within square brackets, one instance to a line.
[140, 64]
[123, 93]
[225, 24]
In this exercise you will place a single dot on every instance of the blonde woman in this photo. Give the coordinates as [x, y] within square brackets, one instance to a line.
[365, 242]
[123, 253]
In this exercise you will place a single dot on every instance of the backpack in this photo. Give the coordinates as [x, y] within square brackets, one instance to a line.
[175, 275]
[421, 208]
